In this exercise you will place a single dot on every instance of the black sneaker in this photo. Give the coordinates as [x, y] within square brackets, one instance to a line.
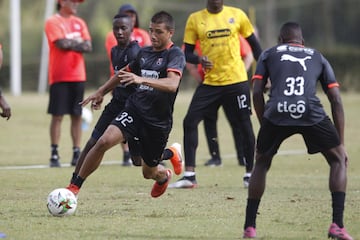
[213, 162]
[184, 182]
[242, 161]
[127, 163]
[55, 161]
[246, 179]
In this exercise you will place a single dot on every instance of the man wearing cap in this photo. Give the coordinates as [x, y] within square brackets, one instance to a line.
[143, 39]
[68, 38]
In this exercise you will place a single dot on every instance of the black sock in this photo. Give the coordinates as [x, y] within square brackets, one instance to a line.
[167, 154]
[54, 149]
[126, 156]
[74, 175]
[76, 152]
[251, 212]
[78, 181]
[338, 202]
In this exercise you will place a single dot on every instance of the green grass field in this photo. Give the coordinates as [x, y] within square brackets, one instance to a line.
[115, 202]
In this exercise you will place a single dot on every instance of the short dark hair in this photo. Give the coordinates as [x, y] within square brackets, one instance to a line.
[290, 32]
[164, 17]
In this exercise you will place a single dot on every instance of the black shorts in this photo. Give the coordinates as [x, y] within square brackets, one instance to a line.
[150, 140]
[64, 98]
[111, 110]
[234, 98]
[318, 138]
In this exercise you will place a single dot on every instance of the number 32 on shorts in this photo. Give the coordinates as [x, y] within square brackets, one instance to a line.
[124, 119]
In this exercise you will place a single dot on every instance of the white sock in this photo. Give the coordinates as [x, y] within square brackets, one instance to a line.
[189, 174]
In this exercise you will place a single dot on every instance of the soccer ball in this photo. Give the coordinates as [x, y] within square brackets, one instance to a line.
[61, 202]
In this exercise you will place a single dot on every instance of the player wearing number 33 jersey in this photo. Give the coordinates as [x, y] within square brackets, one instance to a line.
[293, 108]
[294, 71]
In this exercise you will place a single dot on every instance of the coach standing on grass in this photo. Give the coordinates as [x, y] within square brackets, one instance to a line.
[68, 38]
[293, 108]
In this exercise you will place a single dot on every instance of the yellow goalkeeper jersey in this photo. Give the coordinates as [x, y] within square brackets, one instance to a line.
[219, 41]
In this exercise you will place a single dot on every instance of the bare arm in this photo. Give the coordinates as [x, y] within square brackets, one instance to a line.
[193, 70]
[168, 84]
[248, 59]
[337, 111]
[258, 98]
[97, 98]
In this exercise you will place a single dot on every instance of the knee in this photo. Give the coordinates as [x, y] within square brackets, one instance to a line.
[263, 162]
[189, 122]
[136, 160]
[148, 175]
[102, 144]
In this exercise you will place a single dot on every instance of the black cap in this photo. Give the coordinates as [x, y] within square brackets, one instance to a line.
[127, 8]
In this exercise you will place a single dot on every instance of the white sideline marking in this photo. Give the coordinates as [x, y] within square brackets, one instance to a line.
[118, 162]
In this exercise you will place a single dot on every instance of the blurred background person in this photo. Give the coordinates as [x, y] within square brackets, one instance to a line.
[68, 38]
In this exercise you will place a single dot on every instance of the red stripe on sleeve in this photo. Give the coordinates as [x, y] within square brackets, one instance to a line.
[257, 77]
[333, 85]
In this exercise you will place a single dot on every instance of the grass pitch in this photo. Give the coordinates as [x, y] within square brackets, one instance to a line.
[115, 201]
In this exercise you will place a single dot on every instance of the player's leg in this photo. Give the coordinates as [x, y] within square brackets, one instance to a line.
[76, 95]
[268, 142]
[237, 107]
[57, 107]
[109, 113]
[324, 136]
[111, 137]
[203, 97]
[55, 133]
[153, 142]
[75, 130]
[210, 128]
[127, 159]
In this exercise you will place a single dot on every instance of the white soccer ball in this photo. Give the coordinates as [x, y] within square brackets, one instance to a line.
[61, 202]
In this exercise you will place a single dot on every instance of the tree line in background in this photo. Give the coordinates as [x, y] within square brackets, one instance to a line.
[328, 25]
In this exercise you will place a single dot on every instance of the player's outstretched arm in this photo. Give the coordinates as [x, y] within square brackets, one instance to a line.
[97, 98]
[168, 84]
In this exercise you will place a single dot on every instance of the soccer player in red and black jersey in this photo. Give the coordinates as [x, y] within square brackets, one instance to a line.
[122, 54]
[147, 116]
[293, 108]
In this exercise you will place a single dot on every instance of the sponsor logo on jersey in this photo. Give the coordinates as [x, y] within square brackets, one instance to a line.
[159, 61]
[218, 33]
[296, 110]
[301, 61]
[148, 74]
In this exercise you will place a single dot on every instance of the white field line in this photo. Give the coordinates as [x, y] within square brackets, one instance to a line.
[118, 162]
